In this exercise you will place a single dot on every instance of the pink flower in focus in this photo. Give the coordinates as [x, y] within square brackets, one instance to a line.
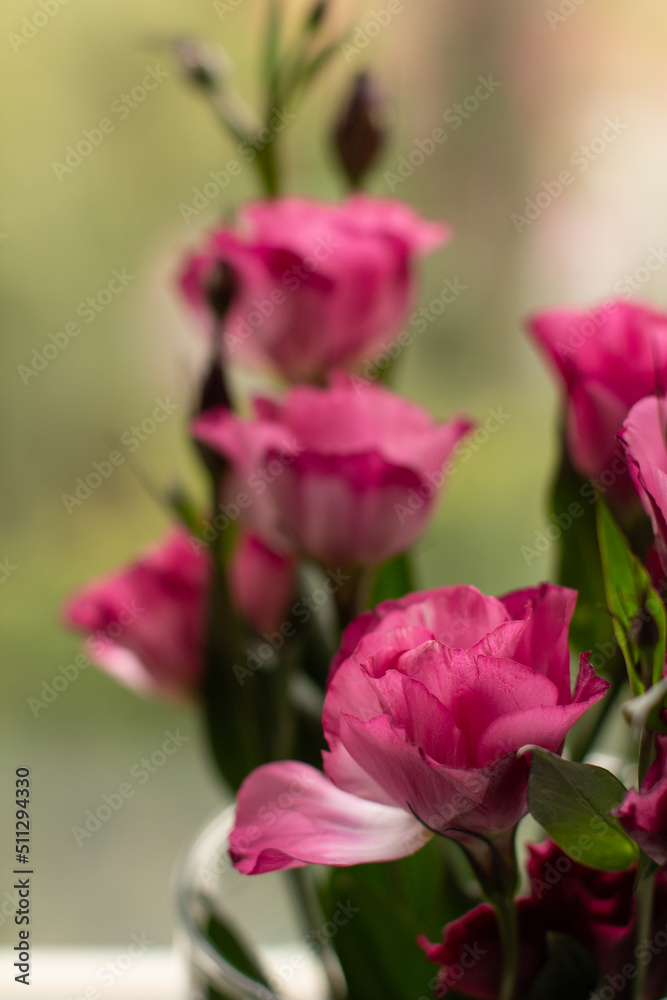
[428, 702]
[145, 624]
[345, 475]
[608, 358]
[643, 813]
[319, 285]
[643, 437]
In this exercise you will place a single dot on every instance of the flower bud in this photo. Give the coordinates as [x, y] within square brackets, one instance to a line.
[359, 134]
[220, 288]
[317, 15]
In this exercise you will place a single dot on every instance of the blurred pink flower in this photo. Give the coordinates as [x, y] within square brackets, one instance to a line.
[145, 624]
[426, 707]
[262, 582]
[318, 285]
[345, 475]
[643, 437]
[608, 358]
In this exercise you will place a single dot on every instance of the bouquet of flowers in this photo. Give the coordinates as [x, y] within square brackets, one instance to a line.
[386, 745]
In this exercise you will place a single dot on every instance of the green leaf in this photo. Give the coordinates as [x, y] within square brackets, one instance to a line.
[572, 802]
[573, 498]
[185, 509]
[638, 613]
[317, 63]
[393, 579]
[570, 971]
[646, 867]
[270, 63]
[234, 951]
[395, 902]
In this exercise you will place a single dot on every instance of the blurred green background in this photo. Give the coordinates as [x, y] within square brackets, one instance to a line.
[560, 76]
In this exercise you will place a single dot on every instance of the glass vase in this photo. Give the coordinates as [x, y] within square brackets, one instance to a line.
[263, 914]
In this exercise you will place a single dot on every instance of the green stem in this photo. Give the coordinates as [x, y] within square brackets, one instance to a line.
[645, 754]
[508, 925]
[645, 898]
[267, 166]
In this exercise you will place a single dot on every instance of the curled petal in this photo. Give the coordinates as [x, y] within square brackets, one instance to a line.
[290, 814]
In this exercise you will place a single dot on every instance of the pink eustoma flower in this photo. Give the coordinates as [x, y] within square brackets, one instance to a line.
[608, 358]
[596, 908]
[262, 582]
[428, 703]
[345, 475]
[319, 286]
[645, 443]
[643, 813]
[145, 624]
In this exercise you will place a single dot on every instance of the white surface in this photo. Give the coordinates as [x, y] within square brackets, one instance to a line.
[106, 973]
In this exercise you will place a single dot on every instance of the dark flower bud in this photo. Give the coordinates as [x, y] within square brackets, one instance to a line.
[359, 134]
[220, 288]
[317, 15]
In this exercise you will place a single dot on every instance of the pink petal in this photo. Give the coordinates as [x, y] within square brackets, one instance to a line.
[263, 583]
[480, 800]
[341, 509]
[349, 689]
[456, 616]
[544, 725]
[476, 690]
[347, 774]
[543, 644]
[427, 722]
[289, 814]
[643, 437]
